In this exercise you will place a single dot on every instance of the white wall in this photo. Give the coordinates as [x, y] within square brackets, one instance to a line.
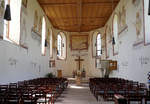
[69, 64]
[133, 60]
[17, 63]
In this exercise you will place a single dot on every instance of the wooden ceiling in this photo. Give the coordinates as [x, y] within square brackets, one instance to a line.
[78, 15]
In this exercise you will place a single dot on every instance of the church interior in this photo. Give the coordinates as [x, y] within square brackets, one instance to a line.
[74, 51]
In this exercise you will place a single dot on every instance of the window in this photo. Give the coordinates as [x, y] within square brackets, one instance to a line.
[115, 34]
[43, 36]
[61, 46]
[146, 22]
[98, 45]
[12, 28]
[51, 43]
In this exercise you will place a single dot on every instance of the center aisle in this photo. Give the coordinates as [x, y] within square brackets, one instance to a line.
[77, 95]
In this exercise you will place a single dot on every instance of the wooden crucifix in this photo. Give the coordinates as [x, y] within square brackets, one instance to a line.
[79, 60]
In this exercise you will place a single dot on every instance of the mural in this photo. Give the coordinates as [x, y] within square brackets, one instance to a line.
[108, 40]
[40, 25]
[144, 61]
[79, 42]
[24, 3]
[23, 37]
[109, 34]
[122, 19]
[138, 27]
[48, 36]
[12, 61]
[35, 26]
[2, 6]
[136, 2]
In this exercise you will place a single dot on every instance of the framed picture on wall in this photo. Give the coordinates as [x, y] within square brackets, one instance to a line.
[79, 42]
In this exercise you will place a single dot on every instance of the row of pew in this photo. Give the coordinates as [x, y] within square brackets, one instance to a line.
[132, 91]
[35, 91]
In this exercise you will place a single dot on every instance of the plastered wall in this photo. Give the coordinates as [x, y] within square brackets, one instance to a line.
[18, 63]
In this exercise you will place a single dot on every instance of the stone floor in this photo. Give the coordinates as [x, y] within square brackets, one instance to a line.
[78, 95]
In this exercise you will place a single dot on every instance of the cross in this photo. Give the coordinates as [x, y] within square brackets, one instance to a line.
[79, 60]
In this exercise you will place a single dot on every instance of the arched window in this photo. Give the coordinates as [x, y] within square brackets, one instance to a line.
[51, 43]
[61, 45]
[98, 45]
[115, 34]
[146, 22]
[12, 28]
[43, 36]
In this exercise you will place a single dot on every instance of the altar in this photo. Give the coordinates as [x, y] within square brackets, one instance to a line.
[80, 73]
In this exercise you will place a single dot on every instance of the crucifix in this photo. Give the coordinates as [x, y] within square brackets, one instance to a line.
[79, 60]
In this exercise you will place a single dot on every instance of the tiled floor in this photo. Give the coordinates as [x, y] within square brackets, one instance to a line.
[78, 95]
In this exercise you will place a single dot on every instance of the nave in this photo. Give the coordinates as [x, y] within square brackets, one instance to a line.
[77, 95]
[44, 42]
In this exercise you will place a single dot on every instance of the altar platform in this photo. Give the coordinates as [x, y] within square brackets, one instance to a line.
[73, 80]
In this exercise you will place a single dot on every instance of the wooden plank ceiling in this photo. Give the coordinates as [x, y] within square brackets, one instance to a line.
[78, 15]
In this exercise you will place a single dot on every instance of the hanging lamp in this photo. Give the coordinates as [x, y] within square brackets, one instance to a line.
[7, 15]
[149, 8]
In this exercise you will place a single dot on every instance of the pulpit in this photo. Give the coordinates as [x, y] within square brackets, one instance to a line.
[106, 66]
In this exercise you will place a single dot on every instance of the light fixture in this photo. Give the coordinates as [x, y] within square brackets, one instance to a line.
[57, 52]
[149, 8]
[113, 41]
[45, 43]
[7, 15]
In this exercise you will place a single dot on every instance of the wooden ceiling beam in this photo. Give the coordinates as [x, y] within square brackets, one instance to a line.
[81, 17]
[74, 25]
[79, 13]
[56, 4]
[74, 3]
[104, 2]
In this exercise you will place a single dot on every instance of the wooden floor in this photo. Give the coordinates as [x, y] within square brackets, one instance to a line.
[78, 95]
